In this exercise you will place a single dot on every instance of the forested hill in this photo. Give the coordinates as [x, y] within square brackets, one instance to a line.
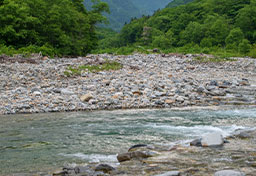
[122, 11]
[55, 27]
[225, 24]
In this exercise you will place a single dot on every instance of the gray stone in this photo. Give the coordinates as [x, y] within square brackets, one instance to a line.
[37, 93]
[104, 168]
[229, 173]
[66, 92]
[170, 173]
[212, 139]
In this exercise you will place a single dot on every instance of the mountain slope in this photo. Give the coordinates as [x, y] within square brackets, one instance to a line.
[122, 11]
[176, 3]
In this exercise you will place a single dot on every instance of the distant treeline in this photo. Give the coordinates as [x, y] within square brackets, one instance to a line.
[207, 24]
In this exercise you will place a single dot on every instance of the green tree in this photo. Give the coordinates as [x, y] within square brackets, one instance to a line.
[244, 47]
[234, 38]
[193, 33]
[246, 20]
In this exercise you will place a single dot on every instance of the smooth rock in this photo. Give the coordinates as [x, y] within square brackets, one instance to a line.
[170, 173]
[66, 92]
[37, 93]
[212, 139]
[229, 173]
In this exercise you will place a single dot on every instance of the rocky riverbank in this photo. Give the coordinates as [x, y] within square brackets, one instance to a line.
[145, 81]
[211, 155]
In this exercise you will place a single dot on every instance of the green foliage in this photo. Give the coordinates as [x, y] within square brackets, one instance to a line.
[107, 66]
[235, 37]
[252, 52]
[244, 47]
[45, 50]
[161, 42]
[61, 27]
[204, 59]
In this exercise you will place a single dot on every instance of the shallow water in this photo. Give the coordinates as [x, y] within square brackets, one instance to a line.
[42, 142]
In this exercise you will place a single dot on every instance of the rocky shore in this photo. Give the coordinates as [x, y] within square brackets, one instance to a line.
[145, 81]
[212, 155]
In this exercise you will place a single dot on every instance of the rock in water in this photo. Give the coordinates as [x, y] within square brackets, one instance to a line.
[212, 140]
[196, 142]
[229, 173]
[104, 168]
[86, 97]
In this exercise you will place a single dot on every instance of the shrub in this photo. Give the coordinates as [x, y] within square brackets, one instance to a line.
[244, 47]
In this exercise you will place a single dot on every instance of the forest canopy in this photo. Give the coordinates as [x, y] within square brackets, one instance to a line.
[59, 27]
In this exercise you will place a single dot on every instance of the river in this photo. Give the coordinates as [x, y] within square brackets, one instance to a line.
[33, 143]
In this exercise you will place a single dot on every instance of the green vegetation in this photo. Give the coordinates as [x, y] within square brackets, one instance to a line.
[222, 28]
[107, 66]
[205, 59]
[56, 27]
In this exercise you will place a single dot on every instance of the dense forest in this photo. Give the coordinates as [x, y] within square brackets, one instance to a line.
[67, 27]
[122, 11]
[200, 26]
[56, 27]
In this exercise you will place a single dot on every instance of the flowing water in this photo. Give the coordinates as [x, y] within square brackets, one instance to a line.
[43, 142]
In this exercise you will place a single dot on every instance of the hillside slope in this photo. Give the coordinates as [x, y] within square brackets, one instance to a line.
[122, 12]
[204, 23]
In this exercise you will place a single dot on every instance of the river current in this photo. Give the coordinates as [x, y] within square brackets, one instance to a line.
[43, 142]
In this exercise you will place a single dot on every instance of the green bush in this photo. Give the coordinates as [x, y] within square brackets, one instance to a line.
[252, 52]
[244, 47]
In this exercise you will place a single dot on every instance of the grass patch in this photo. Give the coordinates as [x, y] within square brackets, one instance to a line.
[107, 66]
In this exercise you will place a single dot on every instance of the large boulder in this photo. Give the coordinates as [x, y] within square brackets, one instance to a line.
[229, 173]
[214, 139]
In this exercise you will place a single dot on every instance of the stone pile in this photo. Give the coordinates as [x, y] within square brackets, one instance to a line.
[145, 81]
